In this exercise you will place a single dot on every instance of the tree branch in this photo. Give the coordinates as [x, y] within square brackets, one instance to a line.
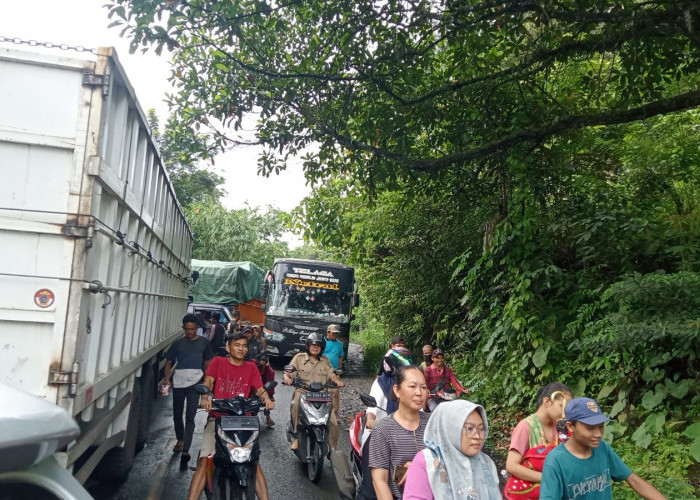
[615, 117]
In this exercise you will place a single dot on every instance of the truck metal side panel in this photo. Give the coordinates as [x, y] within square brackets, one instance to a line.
[85, 206]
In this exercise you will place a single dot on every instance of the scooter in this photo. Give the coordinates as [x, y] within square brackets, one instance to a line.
[315, 408]
[231, 471]
[441, 395]
[349, 477]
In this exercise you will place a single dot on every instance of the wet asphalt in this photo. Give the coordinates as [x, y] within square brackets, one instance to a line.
[156, 473]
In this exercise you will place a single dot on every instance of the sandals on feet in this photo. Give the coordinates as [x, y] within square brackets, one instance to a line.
[178, 447]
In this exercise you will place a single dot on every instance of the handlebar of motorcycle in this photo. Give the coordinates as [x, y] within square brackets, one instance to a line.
[297, 382]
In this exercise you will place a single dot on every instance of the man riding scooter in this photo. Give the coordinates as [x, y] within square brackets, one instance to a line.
[230, 376]
[311, 366]
[439, 376]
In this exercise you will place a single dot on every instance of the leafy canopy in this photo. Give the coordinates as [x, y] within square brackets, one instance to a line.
[396, 87]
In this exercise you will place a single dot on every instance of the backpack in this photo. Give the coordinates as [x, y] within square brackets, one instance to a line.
[517, 488]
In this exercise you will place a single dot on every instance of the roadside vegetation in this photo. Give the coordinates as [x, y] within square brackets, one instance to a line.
[516, 182]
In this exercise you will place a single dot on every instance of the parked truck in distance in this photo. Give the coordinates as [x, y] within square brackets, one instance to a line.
[305, 296]
[225, 286]
[95, 251]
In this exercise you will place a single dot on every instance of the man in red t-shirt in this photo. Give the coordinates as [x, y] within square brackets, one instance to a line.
[437, 373]
[231, 376]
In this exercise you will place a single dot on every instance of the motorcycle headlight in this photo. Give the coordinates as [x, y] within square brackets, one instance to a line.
[239, 451]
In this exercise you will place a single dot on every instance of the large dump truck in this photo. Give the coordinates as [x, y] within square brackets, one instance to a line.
[95, 251]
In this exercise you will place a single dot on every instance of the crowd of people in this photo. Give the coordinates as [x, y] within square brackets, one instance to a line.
[417, 444]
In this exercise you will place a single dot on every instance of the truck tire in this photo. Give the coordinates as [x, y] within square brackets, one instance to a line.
[147, 382]
[117, 462]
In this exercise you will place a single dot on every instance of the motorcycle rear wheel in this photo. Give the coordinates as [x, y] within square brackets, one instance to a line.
[314, 467]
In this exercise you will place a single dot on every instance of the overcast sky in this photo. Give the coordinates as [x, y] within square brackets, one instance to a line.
[84, 22]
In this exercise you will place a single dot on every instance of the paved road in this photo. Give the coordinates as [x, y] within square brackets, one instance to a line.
[156, 473]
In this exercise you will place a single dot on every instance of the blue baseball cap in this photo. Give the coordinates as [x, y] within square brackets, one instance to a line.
[585, 410]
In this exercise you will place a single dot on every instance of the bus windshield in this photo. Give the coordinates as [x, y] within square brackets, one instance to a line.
[309, 302]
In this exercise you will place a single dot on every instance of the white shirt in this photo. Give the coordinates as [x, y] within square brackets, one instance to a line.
[377, 393]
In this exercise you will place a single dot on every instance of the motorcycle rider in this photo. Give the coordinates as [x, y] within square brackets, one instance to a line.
[440, 374]
[313, 366]
[231, 376]
[382, 385]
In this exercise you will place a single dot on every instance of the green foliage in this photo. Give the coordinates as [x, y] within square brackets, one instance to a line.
[386, 90]
[237, 235]
[693, 432]
[664, 464]
[180, 150]
[509, 178]
[373, 338]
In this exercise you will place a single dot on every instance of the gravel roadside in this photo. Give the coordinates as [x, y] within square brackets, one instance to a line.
[356, 383]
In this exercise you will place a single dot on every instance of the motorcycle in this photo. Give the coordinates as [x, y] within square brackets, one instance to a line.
[231, 470]
[349, 477]
[441, 395]
[315, 408]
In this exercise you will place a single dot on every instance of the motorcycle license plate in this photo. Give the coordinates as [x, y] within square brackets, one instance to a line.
[235, 423]
[318, 396]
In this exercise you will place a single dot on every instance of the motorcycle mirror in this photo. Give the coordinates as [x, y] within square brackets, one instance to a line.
[368, 400]
[289, 368]
[201, 389]
[270, 385]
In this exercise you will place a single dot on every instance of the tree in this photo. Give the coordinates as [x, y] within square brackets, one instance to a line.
[397, 88]
[237, 235]
[539, 157]
[181, 151]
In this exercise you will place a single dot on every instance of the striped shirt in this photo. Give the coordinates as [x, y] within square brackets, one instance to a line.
[391, 445]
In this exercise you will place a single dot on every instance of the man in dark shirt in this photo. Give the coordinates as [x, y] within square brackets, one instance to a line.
[192, 354]
[217, 335]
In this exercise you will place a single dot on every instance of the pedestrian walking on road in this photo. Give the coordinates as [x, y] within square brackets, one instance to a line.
[190, 355]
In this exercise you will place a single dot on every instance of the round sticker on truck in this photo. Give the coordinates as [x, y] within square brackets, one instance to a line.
[44, 298]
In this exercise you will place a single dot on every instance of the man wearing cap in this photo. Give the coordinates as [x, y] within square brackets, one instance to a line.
[439, 375]
[334, 348]
[585, 466]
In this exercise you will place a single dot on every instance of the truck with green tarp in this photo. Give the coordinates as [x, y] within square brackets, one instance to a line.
[221, 286]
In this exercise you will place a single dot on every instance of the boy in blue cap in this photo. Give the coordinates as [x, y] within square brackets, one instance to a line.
[584, 467]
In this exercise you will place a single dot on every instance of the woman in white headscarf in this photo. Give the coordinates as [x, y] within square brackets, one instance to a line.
[452, 465]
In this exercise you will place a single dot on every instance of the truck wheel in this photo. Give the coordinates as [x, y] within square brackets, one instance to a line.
[117, 462]
[145, 408]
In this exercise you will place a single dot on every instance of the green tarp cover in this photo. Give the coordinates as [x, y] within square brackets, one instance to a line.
[228, 283]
